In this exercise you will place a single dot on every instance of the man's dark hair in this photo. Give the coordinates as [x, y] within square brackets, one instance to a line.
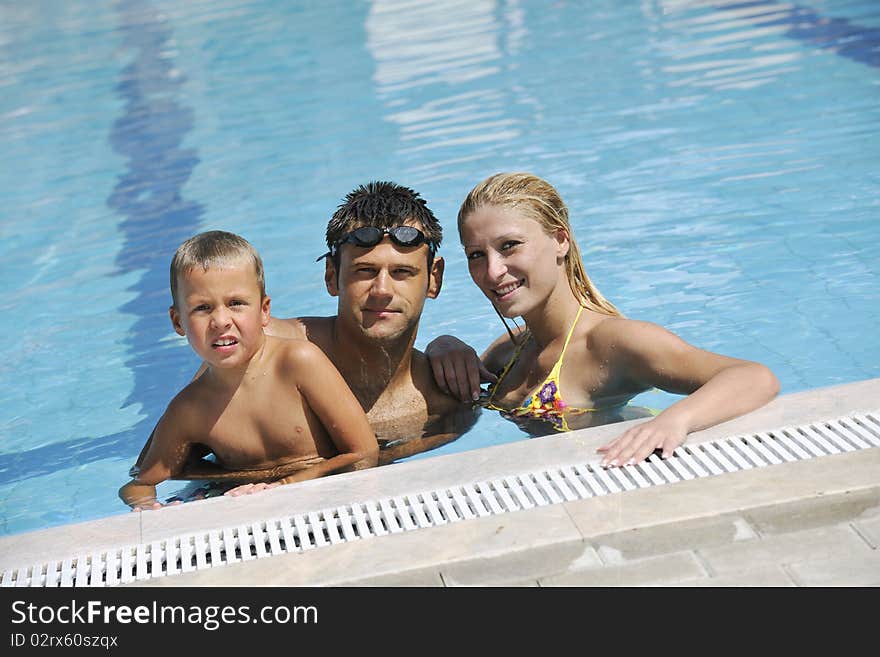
[383, 204]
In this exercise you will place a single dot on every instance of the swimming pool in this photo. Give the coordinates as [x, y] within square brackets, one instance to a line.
[719, 160]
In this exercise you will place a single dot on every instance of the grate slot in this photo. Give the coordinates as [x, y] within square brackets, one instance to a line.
[501, 489]
[777, 447]
[855, 429]
[831, 436]
[869, 422]
[433, 511]
[530, 489]
[827, 445]
[402, 513]
[446, 507]
[718, 457]
[478, 501]
[575, 482]
[462, 508]
[691, 462]
[546, 488]
[518, 493]
[418, 511]
[731, 452]
[605, 479]
[360, 520]
[681, 470]
[558, 480]
[345, 523]
[664, 469]
[762, 449]
[748, 453]
[586, 473]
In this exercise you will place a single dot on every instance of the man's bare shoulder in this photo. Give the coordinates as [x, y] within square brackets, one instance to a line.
[318, 330]
[292, 327]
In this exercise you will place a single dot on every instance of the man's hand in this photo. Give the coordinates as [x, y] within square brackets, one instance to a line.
[457, 368]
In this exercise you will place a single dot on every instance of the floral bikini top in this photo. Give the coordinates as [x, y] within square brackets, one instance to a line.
[546, 402]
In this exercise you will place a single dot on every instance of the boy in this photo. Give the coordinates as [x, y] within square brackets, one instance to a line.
[262, 402]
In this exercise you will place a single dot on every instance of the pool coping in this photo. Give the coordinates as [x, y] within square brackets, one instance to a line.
[424, 551]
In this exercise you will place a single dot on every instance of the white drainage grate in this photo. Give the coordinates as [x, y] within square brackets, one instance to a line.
[438, 507]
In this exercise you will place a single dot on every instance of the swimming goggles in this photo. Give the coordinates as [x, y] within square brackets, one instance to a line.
[371, 235]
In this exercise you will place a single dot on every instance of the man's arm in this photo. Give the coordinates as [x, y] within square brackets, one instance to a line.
[458, 371]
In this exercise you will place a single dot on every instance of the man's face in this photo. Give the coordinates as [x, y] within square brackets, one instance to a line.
[382, 289]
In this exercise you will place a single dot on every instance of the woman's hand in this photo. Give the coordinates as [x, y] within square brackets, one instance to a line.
[458, 370]
[637, 444]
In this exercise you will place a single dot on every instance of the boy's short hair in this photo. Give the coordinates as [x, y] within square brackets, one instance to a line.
[383, 204]
[211, 249]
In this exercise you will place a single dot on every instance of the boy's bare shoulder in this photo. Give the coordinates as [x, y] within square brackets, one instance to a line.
[187, 403]
[296, 352]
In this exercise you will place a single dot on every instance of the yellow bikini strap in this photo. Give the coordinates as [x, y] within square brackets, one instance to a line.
[571, 331]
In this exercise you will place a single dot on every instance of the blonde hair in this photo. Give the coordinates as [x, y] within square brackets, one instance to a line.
[214, 248]
[539, 200]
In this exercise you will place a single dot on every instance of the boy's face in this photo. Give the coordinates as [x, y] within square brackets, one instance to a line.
[382, 289]
[221, 313]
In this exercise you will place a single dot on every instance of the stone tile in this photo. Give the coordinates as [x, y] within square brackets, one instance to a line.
[773, 576]
[792, 547]
[428, 577]
[529, 564]
[673, 537]
[869, 529]
[851, 569]
[663, 570]
[818, 511]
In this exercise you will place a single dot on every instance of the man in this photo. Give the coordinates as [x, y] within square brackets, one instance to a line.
[381, 266]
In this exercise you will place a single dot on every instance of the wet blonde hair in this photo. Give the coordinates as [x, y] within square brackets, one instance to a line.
[214, 248]
[537, 199]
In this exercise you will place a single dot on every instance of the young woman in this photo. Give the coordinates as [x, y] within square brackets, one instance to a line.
[577, 356]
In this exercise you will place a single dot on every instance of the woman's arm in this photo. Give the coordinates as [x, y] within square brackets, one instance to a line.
[718, 388]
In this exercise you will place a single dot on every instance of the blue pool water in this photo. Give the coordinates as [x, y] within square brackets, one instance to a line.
[720, 160]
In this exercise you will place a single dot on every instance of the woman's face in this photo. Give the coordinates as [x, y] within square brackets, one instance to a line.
[511, 259]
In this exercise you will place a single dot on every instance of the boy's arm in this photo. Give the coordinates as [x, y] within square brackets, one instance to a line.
[330, 398]
[164, 455]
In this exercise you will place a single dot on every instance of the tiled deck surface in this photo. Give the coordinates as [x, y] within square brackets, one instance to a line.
[808, 523]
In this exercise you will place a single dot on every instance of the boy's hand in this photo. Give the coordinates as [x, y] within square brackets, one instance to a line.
[248, 489]
[152, 506]
[458, 370]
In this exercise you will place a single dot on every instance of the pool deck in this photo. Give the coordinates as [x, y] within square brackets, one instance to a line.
[813, 522]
